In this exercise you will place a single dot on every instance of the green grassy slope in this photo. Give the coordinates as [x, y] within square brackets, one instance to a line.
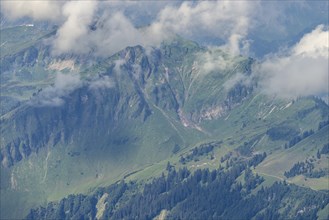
[162, 105]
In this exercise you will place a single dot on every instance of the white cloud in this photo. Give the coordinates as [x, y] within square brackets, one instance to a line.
[38, 10]
[300, 71]
[116, 31]
[224, 23]
[226, 20]
[237, 78]
[214, 59]
[71, 35]
[64, 85]
[118, 64]
[314, 44]
[101, 83]
[113, 33]
[53, 95]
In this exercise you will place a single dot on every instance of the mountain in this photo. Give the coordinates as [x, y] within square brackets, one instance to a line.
[100, 130]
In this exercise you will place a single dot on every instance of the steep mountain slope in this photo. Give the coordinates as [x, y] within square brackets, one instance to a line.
[125, 116]
[205, 194]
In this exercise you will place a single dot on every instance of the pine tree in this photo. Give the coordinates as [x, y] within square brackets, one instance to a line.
[318, 155]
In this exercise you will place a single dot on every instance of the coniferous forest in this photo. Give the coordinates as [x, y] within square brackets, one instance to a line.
[204, 194]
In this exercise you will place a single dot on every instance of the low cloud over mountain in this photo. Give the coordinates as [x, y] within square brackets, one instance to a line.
[300, 70]
[104, 28]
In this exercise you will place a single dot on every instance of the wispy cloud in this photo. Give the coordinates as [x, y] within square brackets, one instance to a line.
[103, 82]
[66, 84]
[225, 20]
[71, 35]
[116, 28]
[300, 70]
[54, 95]
[236, 79]
[103, 28]
[38, 10]
[213, 59]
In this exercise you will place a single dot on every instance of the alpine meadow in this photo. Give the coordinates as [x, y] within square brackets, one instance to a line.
[164, 110]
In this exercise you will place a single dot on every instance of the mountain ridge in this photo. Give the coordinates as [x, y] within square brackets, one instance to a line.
[127, 115]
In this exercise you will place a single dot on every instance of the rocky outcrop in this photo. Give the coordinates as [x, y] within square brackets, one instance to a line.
[141, 80]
